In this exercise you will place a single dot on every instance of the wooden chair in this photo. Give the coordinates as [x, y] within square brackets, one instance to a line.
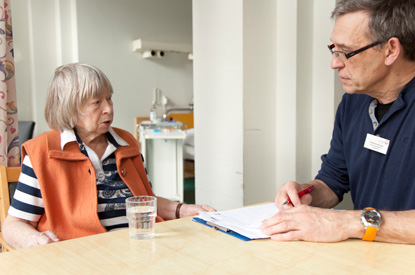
[8, 176]
[186, 119]
[137, 121]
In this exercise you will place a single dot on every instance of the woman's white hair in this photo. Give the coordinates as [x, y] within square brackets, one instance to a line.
[70, 87]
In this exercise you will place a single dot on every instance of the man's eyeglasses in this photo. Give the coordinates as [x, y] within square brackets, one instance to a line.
[344, 56]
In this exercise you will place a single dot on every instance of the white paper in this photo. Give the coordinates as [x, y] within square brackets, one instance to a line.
[245, 221]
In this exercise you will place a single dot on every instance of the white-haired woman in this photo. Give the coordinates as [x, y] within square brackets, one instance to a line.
[76, 177]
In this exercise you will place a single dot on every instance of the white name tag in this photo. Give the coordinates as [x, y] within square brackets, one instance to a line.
[377, 144]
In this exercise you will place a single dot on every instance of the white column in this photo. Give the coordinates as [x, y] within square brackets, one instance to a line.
[286, 84]
[323, 99]
[259, 101]
[218, 95]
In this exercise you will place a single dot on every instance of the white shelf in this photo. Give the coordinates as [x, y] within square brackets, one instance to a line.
[152, 49]
[164, 134]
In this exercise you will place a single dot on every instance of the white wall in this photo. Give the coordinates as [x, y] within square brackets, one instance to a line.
[324, 88]
[23, 45]
[49, 33]
[281, 110]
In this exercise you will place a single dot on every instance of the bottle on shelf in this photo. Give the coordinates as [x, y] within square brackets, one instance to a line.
[153, 114]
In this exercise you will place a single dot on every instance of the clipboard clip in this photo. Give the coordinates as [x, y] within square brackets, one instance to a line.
[218, 227]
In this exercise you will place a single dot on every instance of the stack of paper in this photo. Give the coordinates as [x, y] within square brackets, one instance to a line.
[245, 221]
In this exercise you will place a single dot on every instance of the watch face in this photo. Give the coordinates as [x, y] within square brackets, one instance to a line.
[372, 217]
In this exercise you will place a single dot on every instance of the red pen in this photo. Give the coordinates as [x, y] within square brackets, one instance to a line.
[301, 193]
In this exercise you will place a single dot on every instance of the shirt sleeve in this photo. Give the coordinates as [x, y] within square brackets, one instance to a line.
[334, 170]
[27, 201]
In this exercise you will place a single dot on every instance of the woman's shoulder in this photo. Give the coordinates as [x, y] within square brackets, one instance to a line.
[127, 136]
[49, 135]
[38, 144]
[47, 140]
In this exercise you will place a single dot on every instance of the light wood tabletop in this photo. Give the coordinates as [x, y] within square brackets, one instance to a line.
[187, 247]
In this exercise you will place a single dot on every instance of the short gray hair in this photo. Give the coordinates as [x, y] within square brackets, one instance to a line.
[70, 87]
[387, 19]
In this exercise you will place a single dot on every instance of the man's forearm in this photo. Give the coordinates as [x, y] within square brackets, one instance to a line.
[322, 195]
[397, 227]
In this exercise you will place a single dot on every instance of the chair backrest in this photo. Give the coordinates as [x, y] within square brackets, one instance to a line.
[137, 121]
[186, 119]
[26, 129]
[8, 180]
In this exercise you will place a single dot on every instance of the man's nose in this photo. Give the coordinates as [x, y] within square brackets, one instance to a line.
[336, 62]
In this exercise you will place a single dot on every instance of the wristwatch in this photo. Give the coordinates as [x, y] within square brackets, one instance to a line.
[371, 220]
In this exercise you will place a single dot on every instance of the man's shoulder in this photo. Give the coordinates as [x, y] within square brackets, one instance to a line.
[351, 102]
[356, 98]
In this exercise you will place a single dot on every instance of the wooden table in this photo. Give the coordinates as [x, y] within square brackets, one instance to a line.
[187, 247]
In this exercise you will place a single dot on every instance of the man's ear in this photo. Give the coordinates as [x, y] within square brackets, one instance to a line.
[393, 49]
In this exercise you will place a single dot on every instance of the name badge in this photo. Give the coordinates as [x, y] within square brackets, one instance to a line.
[377, 144]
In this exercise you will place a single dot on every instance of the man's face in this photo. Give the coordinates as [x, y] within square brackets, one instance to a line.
[362, 73]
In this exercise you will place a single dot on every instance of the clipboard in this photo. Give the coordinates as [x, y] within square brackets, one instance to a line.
[222, 229]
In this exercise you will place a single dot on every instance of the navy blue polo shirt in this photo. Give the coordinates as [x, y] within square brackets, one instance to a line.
[386, 182]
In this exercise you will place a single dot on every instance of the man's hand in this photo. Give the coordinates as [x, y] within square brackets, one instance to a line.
[290, 191]
[313, 224]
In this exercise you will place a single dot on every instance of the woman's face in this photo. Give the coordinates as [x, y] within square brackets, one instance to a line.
[95, 117]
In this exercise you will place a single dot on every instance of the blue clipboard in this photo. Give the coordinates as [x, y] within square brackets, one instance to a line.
[237, 235]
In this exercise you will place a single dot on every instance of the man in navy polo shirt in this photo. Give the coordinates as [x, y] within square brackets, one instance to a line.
[372, 151]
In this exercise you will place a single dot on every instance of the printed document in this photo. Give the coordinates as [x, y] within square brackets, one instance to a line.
[245, 221]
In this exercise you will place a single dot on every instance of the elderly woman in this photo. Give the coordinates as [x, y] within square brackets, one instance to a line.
[75, 178]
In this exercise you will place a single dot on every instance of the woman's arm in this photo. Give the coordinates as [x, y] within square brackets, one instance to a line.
[167, 209]
[20, 233]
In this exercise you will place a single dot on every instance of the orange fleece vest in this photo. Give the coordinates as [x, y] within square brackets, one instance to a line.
[68, 183]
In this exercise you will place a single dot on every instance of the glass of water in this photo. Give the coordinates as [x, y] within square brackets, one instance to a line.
[141, 215]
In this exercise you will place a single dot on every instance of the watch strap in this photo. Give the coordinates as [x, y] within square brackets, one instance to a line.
[370, 233]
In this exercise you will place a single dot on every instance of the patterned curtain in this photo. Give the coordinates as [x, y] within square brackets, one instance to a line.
[9, 137]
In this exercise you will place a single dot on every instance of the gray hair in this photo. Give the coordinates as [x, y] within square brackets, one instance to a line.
[387, 19]
[70, 87]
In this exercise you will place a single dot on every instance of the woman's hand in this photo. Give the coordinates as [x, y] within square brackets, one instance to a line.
[193, 209]
[167, 209]
[45, 237]
[20, 233]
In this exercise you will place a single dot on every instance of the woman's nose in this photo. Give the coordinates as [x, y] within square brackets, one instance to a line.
[107, 108]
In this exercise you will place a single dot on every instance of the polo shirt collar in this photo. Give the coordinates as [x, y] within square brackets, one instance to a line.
[69, 136]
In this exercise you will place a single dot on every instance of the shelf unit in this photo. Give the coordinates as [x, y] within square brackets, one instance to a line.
[152, 49]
